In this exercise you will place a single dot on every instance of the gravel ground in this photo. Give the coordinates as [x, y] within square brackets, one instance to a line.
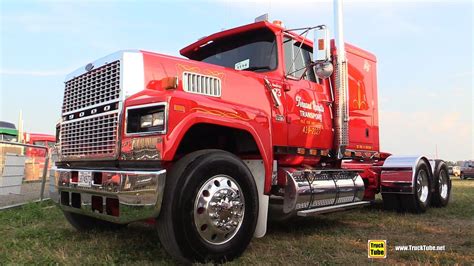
[29, 192]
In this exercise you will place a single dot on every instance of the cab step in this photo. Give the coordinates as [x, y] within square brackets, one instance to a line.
[333, 208]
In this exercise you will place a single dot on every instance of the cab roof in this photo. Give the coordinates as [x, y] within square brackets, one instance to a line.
[188, 50]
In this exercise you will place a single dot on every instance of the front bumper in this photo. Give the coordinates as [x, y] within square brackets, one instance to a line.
[114, 196]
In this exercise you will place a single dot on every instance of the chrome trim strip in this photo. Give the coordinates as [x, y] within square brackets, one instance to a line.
[391, 181]
[132, 78]
[334, 208]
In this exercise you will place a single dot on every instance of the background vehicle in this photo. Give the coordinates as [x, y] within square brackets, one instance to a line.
[457, 170]
[258, 122]
[8, 131]
[467, 170]
[40, 140]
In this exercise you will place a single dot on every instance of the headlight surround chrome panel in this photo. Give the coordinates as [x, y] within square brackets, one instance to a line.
[133, 115]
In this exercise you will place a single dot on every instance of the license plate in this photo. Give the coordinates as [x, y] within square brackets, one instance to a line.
[85, 179]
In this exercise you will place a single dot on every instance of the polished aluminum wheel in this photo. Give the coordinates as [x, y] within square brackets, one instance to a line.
[443, 184]
[422, 188]
[219, 209]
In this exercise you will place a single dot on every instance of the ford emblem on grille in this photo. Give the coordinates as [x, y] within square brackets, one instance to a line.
[89, 67]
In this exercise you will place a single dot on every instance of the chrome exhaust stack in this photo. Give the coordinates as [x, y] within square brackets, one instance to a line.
[341, 118]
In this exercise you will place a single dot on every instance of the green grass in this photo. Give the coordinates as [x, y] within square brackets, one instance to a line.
[38, 233]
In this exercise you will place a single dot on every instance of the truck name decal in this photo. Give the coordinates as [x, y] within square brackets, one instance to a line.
[310, 106]
[92, 111]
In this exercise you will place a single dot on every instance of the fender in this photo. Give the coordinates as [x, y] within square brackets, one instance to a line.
[261, 169]
[398, 174]
[259, 133]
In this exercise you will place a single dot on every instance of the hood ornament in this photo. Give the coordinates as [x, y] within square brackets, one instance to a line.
[89, 67]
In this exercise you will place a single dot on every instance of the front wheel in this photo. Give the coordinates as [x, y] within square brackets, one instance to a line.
[210, 206]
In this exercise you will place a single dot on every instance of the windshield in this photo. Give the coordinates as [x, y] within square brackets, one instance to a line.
[39, 143]
[251, 51]
[6, 137]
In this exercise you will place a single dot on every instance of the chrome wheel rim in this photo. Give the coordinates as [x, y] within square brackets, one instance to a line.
[422, 186]
[443, 184]
[219, 209]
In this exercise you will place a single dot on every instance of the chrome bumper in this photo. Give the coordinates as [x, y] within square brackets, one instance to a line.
[115, 196]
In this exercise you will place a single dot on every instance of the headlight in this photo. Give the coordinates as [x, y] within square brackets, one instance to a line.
[158, 119]
[152, 120]
[146, 119]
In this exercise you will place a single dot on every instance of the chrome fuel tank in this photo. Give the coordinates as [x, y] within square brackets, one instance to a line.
[311, 189]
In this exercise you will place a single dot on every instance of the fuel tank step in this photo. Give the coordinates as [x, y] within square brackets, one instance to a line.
[334, 208]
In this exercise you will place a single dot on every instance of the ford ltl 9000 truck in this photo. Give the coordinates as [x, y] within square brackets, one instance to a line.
[256, 122]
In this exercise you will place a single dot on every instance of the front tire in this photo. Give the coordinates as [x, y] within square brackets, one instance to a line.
[210, 208]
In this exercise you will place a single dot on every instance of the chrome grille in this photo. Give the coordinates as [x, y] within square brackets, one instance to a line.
[95, 87]
[93, 131]
[201, 84]
[96, 136]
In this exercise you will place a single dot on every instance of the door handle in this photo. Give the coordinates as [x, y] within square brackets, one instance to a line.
[276, 99]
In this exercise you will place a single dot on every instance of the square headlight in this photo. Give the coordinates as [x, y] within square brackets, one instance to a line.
[146, 120]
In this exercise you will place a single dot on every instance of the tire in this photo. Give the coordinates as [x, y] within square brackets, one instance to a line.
[441, 184]
[87, 223]
[391, 202]
[187, 222]
[419, 201]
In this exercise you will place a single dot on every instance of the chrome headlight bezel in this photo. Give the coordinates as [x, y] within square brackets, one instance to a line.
[146, 119]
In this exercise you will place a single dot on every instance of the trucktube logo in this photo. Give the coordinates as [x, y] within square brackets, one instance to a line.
[377, 249]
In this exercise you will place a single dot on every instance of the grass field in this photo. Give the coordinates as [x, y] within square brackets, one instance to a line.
[38, 233]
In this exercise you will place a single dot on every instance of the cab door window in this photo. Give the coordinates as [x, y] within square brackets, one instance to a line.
[297, 58]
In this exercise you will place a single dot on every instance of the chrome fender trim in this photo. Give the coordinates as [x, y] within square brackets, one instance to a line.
[398, 173]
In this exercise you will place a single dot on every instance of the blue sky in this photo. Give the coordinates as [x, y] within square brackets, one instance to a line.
[424, 50]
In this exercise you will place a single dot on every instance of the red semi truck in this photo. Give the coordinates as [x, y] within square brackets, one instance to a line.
[257, 123]
[45, 140]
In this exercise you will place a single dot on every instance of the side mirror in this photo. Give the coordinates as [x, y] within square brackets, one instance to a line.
[321, 45]
[322, 53]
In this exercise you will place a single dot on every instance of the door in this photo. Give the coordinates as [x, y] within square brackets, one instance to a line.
[306, 104]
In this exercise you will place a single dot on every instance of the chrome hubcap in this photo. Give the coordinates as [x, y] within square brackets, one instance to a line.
[443, 184]
[219, 209]
[422, 186]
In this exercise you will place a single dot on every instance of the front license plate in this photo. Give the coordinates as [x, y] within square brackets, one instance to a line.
[85, 179]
